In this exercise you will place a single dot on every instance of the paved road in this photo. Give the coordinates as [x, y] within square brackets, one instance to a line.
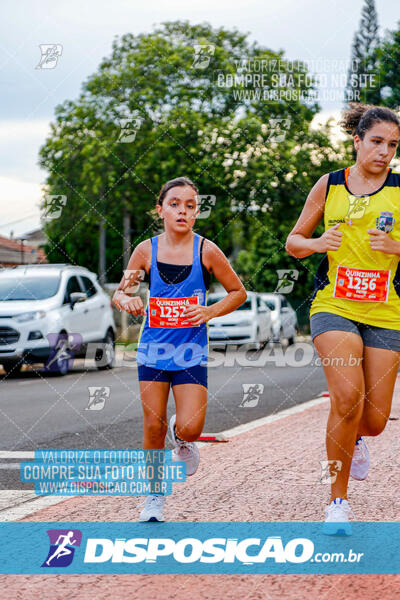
[52, 412]
[253, 478]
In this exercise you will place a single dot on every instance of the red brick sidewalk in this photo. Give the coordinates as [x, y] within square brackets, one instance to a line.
[271, 473]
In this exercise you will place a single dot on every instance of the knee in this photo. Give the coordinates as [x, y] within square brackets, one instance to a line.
[377, 425]
[155, 429]
[348, 405]
[188, 432]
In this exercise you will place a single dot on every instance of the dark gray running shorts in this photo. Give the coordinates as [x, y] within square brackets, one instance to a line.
[375, 337]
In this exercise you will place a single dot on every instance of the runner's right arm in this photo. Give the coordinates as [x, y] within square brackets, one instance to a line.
[132, 277]
[299, 242]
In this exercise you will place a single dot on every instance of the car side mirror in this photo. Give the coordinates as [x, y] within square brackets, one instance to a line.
[75, 297]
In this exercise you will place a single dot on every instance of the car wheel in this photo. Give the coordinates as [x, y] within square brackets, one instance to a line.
[109, 350]
[257, 343]
[266, 341]
[12, 369]
[279, 339]
[61, 357]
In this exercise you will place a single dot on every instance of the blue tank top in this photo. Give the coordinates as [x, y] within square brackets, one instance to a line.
[181, 348]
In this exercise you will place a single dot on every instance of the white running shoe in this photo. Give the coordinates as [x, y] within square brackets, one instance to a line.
[360, 463]
[337, 518]
[153, 508]
[186, 451]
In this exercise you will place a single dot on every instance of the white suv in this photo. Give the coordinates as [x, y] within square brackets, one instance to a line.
[249, 324]
[284, 318]
[50, 313]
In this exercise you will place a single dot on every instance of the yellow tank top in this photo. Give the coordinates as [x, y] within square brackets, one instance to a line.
[355, 281]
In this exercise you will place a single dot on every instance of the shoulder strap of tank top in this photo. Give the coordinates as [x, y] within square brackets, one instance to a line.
[154, 240]
[196, 258]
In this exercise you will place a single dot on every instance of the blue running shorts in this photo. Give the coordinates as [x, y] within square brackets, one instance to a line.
[196, 374]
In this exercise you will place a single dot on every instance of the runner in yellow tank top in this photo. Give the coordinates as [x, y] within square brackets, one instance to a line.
[355, 308]
[367, 294]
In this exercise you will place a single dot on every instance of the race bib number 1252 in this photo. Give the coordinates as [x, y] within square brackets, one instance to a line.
[170, 312]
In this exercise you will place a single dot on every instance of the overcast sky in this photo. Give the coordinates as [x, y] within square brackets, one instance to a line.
[309, 30]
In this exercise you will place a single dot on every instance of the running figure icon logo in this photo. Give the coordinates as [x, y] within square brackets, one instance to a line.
[357, 206]
[62, 542]
[97, 397]
[251, 394]
[62, 347]
[286, 280]
[202, 55]
[330, 470]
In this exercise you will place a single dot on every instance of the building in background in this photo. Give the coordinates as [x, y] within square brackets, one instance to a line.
[22, 251]
[35, 238]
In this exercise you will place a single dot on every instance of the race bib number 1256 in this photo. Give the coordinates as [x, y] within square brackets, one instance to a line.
[362, 284]
[170, 312]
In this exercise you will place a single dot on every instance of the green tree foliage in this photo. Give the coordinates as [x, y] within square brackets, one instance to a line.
[363, 80]
[189, 121]
[388, 60]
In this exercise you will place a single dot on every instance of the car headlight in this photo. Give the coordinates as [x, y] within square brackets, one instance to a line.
[30, 316]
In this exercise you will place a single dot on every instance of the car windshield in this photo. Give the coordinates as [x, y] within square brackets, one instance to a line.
[245, 306]
[270, 303]
[28, 288]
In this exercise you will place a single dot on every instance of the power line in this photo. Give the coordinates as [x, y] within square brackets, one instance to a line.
[18, 220]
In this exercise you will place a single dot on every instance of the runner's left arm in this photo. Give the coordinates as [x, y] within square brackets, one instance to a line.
[215, 259]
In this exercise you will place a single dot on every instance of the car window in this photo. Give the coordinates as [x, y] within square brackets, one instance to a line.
[260, 304]
[245, 306]
[89, 286]
[283, 302]
[72, 286]
[28, 287]
[271, 304]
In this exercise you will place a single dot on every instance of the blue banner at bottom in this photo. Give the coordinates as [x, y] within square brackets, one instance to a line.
[207, 548]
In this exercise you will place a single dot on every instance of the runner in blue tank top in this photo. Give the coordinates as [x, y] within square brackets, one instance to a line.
[174, 348]
[173, 340]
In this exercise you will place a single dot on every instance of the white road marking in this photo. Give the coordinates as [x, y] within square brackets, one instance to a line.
[32, 505]
[30, 382]
[17, 454]
[228, 433]
[28, 504]
[280, 415]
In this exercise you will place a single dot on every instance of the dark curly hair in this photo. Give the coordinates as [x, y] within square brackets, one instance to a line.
[359, 118]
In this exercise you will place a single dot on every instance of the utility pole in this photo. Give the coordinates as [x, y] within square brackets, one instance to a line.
[22, 251]
[126, 246]
[102, 242]
[102, 251]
